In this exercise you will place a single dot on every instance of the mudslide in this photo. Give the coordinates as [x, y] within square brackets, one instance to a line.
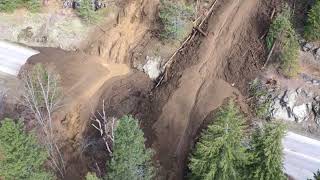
[200, 90]
[201, 79]
[82, 78]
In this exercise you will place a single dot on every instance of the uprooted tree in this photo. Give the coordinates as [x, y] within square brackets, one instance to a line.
[266, 150]
[220, 154]
[42, 96]
[282, 36]
[21, 157]
[106, 127]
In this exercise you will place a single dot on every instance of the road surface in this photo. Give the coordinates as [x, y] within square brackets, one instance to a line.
[302, 156]
[13, 56]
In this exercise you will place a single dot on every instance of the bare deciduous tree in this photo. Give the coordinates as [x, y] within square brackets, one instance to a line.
[105, 126]
[42, 96]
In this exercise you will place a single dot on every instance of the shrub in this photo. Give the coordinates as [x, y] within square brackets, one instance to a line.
[7, 5]
[312, 29]
[86, 11]
[220, 154]
[91, 176]
[33, 5]
[130, 159]
[261, 99]
[11, 5]
[21, 156]
[282, 33]
[174, 17]
[267, 157]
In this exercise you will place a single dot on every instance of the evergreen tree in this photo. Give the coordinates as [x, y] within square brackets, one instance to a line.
[282, 34]
[220, 154]
[267, 157]
[312, 30]
[130, 159]
[20, 155]
[86, 11]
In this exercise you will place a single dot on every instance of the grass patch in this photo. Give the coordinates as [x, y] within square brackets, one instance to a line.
[175, 17]
[9, 6]
[283, 34]
[312, 29]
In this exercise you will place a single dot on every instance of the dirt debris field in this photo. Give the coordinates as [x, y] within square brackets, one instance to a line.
[205, 73]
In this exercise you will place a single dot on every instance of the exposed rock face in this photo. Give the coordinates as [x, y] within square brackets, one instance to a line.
[316, 111]
[317, 55]
[286, 106]
[307, 47]
[152, 67]
[301, 113]
[281, 112]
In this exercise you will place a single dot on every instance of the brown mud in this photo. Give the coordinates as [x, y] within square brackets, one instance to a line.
[204, 74]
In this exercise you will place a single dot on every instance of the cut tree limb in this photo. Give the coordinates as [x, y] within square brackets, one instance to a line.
[190, 37]
[269, 55]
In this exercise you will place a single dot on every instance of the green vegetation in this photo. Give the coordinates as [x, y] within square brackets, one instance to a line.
[220, 153]
[91, 176]
[130, 159]
[267, 158]
[312, 29]
[11, 5]
[283, 36]
[223, 152]
[174, 17]
[87, 13]
[316, 175]
[20, 155]
[260, 95]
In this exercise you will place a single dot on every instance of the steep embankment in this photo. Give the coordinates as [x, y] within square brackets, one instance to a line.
[106, 71]
[179, 107]
[172, 114]
[115, 41]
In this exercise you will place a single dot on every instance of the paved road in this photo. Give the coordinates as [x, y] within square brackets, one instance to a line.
[302, 156]
[13, 56]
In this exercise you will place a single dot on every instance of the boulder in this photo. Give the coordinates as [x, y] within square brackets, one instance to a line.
[300, 113]
[317, 54]
[289, 99]
[307, 47]
[316, 111]
[152, 67]
[281, 112]
[315, 82]
[299, 91]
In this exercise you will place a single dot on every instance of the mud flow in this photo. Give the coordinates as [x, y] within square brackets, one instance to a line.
[214, 66]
